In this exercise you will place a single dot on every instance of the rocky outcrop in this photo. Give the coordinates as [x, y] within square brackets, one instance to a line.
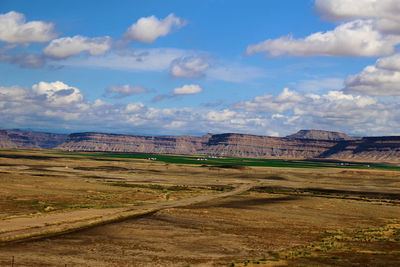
[29, 139]
[134, 143]
[298, 146]
[244, 145]
[230, 144]
[383, 148]
[321, 135]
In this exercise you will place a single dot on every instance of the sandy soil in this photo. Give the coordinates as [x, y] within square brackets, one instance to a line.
[26, 228]
[294, 217]
[217, 233]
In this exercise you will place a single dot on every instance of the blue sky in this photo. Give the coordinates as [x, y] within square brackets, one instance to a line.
[193, 67]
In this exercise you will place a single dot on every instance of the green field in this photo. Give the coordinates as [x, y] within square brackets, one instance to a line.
[251, 162]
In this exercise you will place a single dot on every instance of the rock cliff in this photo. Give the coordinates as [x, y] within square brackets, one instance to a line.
[244, 145]
[229, 144]
[303, 145]
[383, 148]
[133, 143]
[321, 135]
[29, 139]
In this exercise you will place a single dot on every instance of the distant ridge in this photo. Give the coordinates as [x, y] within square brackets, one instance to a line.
[305, 144]
[30, 139]
[321, 135]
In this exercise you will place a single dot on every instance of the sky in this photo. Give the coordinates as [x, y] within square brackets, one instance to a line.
[203, 66]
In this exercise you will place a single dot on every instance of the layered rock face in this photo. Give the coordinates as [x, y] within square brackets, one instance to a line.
[384, 148]
[236, 145]
[298, 146]
[30, 140]
[244, 145]
[133, 143]
[321, 135]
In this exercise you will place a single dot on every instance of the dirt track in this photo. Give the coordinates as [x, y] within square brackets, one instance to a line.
[295, 217]
[36, 227]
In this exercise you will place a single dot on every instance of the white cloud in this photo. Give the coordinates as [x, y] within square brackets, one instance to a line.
[339, 10]
[374, 81]
[389, 63]
[289, 96]
[134, 107]
[39, 108]
[267, 103]
[14, 29]
[148, 29]
[187, 89]
[354, 38]
[334, 110]
[189, 67]
[385, 12]
[57, 93]
[13, 92]
[157, 59]
[121, 91]
[69, 46]
[381, 79]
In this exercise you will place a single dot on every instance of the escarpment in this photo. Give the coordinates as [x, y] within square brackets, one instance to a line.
[306, 144]
[244, 145]
[29, 139]
[381, 149]
[133, 143]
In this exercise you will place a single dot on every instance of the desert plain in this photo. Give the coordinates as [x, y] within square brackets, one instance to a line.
[92, 209]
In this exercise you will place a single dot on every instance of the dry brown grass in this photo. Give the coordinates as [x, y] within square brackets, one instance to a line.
[311, 217]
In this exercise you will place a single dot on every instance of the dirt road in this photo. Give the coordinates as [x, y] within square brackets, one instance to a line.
[53, 224]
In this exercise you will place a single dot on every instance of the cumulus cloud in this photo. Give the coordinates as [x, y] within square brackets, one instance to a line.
[369, 28]
[14, 92]
[148, 29]
[385, 12]
[189, 67]
[334, 110]
[354, 38]
[339, 10]
[381, 79]
[68, 46]
[28, 110]
[57, 93]
[187, 89]
[374, 81]
[301, 104]
[267, 103]
[41, 105]
[60, 106]
[15, 29]
[389, 63]
[121, 91]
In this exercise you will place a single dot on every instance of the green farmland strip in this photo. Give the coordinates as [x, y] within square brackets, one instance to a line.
[232, 161]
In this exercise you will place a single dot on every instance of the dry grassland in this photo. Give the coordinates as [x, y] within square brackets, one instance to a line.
[293, 217]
